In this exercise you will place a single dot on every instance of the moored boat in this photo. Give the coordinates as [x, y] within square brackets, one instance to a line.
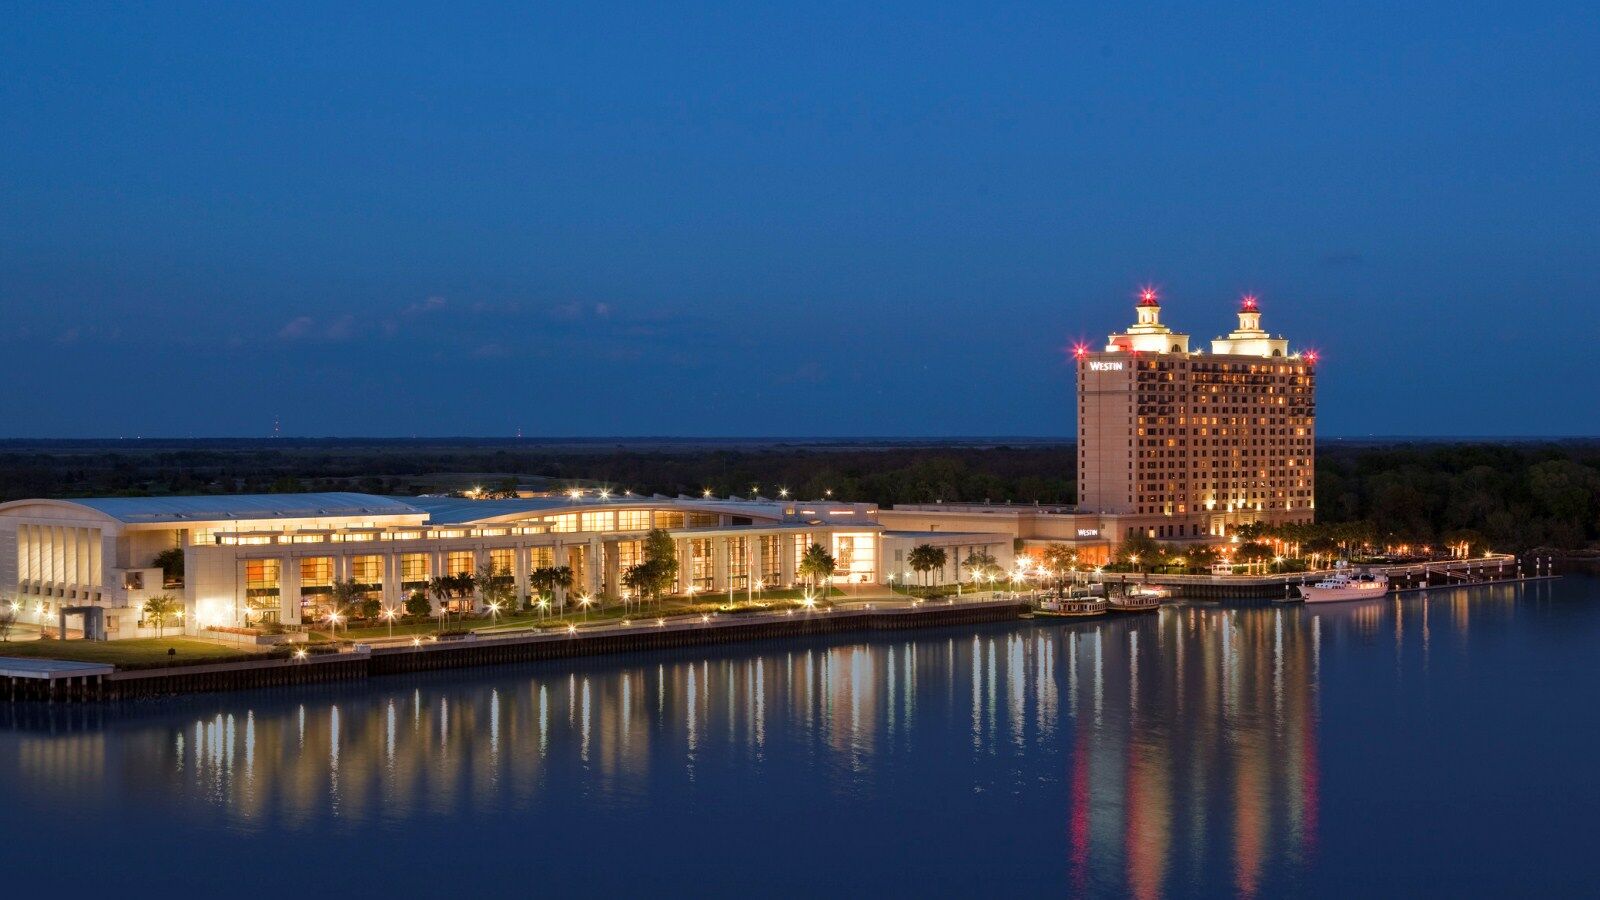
[1144, 598]
[1345, 585]
[1072, 607]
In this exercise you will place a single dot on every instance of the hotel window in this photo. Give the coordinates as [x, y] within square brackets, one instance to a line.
[629, 554]
[249, 539]
[367, 569]
[260, 575]
[771, 569]
[316, 571]
[564, 524]
[669, 520]
[502, 560]
[702, 565]
[633, 520]
[414, 568]
[578, 558]
[599, 521]
[738, 562]
[459, 562]
[856, 557]
[797, 548]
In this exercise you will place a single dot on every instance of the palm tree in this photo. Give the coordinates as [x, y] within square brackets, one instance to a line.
[160, 608]
[549, 578]
[921, 559]
[816, 564]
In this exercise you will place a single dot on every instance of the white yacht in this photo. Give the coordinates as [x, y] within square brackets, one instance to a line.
[1346, 585]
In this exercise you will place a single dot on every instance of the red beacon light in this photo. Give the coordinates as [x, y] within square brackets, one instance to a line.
[1079, 351]
[1147, 297]
[1310, 356]
[1248, 303]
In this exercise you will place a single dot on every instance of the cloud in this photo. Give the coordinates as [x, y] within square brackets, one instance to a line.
[297, 328]
[340, 329]
[306, 328]
[427, 305]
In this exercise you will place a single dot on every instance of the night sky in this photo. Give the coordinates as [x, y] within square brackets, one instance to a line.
[809, 220]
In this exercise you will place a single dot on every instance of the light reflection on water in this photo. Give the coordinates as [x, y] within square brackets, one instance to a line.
[1177, 752]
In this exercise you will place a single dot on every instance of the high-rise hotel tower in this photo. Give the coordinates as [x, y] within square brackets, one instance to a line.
[1181, 443]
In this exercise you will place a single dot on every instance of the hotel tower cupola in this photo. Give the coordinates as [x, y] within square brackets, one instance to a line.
[1248, 339]
[1147, 334]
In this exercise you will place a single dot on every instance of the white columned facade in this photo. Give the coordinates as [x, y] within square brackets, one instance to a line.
[289, 590]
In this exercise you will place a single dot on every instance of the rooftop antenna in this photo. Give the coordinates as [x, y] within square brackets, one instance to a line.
[277, 432]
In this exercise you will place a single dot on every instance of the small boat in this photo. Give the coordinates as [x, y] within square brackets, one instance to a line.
[1144, 598]
[1343, 585]
[1071, 607]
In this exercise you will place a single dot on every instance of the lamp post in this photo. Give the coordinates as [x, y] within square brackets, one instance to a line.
[389, 613]
[585, 601]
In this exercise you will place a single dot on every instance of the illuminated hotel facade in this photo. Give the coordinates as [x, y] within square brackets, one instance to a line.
[1184, 444]
[1174, 443]
[250, 559]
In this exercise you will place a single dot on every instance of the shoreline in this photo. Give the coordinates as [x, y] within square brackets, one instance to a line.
[59, 682]
[89, 684]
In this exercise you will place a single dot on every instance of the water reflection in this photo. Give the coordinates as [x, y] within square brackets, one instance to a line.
[1171, 747]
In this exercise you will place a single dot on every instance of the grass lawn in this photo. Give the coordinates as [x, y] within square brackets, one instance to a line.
[668, 608]
[121, 653]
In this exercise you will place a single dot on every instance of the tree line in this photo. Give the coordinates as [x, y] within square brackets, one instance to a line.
[1512, 496]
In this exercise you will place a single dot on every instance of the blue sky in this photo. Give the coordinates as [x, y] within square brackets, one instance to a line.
[809, 219]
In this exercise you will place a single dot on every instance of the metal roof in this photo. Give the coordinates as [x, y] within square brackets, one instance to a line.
[139, 510]
[441, 510]
[459, 510]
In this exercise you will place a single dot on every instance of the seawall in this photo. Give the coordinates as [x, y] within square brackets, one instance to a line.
[366, 662]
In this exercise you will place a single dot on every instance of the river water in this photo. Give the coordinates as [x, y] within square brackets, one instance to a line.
[1438, 745]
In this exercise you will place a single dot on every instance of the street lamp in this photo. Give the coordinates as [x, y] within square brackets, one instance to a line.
[494, 612]
[585, 601]
[389, 613]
